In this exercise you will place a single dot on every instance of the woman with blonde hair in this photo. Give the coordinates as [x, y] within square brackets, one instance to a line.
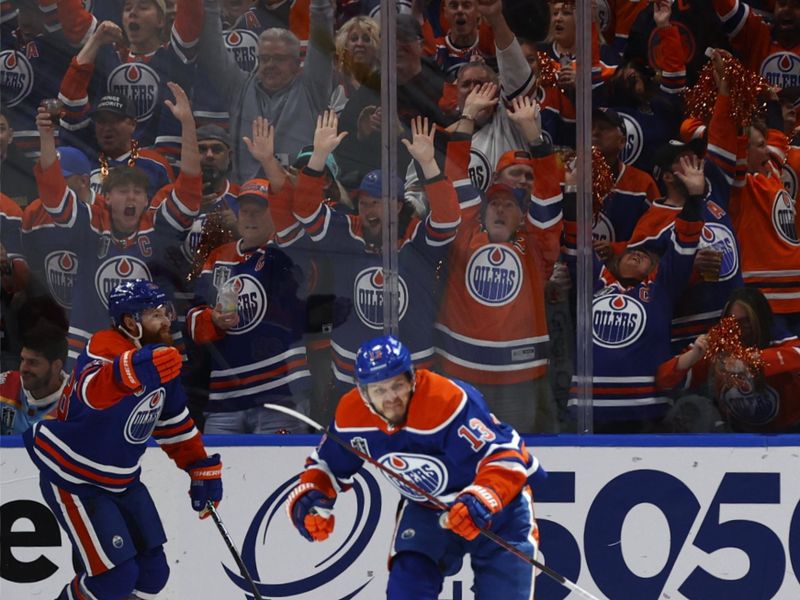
[357, 58]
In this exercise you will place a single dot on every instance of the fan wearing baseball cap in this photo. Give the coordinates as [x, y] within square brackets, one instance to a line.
[134, 61]
[633, 191]
[492, 324]
[355, 244]
[122, 237]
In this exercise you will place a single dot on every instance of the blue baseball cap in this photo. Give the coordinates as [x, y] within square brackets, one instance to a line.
[73, 162]
[519, 194]
[373, 181]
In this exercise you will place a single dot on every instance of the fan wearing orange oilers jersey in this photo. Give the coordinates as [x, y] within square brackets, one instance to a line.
[631, 310]
[121, 237]
[139, 69]
[124, 390]
[772, 50]
[717, 263]
[492, 327]
[354, 243]
[768, 401]
[439, 434]
[766, 222]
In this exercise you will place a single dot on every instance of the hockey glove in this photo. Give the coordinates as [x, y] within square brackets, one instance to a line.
[206, 483]
[149, 367]
[473, 511]
[310, 512]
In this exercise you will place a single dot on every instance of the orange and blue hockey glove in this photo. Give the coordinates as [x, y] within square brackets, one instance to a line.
[311, 512]
[473, 510]
[148, 367]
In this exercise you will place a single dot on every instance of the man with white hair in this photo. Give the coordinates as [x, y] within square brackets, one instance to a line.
[286, 92]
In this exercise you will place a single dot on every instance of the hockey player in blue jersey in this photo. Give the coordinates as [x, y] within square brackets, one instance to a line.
[124, 389]
[438, 433]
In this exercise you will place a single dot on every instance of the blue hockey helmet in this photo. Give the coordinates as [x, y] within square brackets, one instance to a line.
[382, 358]
[132, 297]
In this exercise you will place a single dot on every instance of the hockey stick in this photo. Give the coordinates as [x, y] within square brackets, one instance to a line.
[433, 500]
[229, 542]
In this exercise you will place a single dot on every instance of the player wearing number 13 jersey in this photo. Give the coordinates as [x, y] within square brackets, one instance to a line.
[438, 434]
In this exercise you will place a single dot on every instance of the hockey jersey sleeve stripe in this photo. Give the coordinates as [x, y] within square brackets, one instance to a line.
[75, 515]
[734, 20]
[258, 366]
[269, 385]
[218, 382]
[68, 453]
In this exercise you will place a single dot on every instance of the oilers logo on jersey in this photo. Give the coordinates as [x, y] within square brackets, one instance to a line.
[617, 320]
[426, 472]
[718, 237]
[748, 405]
[143, 418]
[789, 178]
[16, 77]
[140, 83]
[781, 69]
[480, 171]
[252, 303]
[783, 217]
[634, 141]
[242, 45]
[61, 268]
[603, 228]
[116, 270]
[368, 294]
[494, 275]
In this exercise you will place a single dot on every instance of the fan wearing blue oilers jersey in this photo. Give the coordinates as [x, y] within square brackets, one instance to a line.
[124, 390]
[355, 242]
[631, 312]
[439, 434]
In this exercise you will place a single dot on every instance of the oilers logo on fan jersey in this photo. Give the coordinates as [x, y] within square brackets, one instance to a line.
[61, 268]
[635, 139]
[242, 45]
[143, 418]
[252, 303]
[783, 217]
[718, 237]
[140, 83]
[368, 294]
[116, 270]
[425, 471]
[16, 77]
[781, 69]
[480, 171]
[751, 406]
[603, 228]
[494, 275]
[617, 320]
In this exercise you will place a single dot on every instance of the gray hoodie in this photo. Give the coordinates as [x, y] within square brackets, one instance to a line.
[292, 110]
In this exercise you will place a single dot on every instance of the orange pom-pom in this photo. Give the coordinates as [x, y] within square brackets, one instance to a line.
[747, 90]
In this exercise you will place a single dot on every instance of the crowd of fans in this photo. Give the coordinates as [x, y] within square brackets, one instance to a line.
[230, 150]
